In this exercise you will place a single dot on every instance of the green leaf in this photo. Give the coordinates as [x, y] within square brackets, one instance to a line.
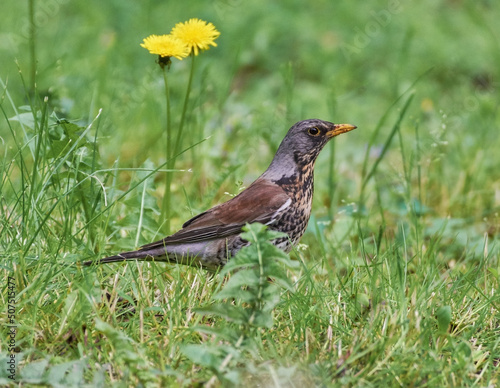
[229, 334]
[34, 371]
[443, 316]
[275, 271]
[227, 311]
[236, 281]
[363, 299]
[69, 373]
[494, 272]
[69, 304]
[270, 250]
[63, 135]
[26, 119]
[286, 373]
[233, 377]
[271, 296]
[263, 319]
[258, 232]
[243, 260]
[252, 231]
[286, 261]
[124, 346]
[241, 294]
[207, 356]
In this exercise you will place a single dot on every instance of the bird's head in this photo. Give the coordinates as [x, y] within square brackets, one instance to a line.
[306, 139]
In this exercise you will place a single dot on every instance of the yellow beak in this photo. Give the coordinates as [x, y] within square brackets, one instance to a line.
[339, 129]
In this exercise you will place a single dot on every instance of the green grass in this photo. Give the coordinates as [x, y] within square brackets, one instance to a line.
[399, 275]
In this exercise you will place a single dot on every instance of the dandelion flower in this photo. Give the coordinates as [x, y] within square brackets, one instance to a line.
[196, 34]
[166, 46]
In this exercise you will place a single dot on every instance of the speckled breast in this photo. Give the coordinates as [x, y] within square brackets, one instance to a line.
[293, 220]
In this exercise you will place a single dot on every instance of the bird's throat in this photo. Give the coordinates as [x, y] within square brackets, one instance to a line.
[299, 179]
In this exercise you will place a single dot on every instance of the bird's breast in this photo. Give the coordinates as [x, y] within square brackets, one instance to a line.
[294, 218]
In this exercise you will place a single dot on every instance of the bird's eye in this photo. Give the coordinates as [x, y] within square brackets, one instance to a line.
[313, 131]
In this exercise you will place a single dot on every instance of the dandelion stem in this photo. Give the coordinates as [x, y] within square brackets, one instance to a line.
[165, 211]
[184, 108]
[32, 46]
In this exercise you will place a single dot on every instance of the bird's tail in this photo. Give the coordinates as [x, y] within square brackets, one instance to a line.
[140, 255]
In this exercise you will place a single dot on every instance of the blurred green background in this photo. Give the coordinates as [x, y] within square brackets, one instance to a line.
[360, 55]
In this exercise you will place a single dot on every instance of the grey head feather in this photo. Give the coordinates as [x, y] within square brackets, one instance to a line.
[298, 149]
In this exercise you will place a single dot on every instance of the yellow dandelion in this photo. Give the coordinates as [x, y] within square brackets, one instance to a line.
[196, 34]
[166, 46]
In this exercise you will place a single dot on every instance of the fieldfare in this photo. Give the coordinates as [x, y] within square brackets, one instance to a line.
[280, 198]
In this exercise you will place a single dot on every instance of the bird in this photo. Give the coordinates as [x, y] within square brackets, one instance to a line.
[280, 198]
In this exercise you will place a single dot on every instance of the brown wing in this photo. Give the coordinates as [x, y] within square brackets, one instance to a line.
[258, 203]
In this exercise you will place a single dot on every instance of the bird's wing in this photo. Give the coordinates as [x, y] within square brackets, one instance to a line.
[258, 203]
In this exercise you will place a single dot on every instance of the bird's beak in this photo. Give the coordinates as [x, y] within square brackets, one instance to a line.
[339, 129]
